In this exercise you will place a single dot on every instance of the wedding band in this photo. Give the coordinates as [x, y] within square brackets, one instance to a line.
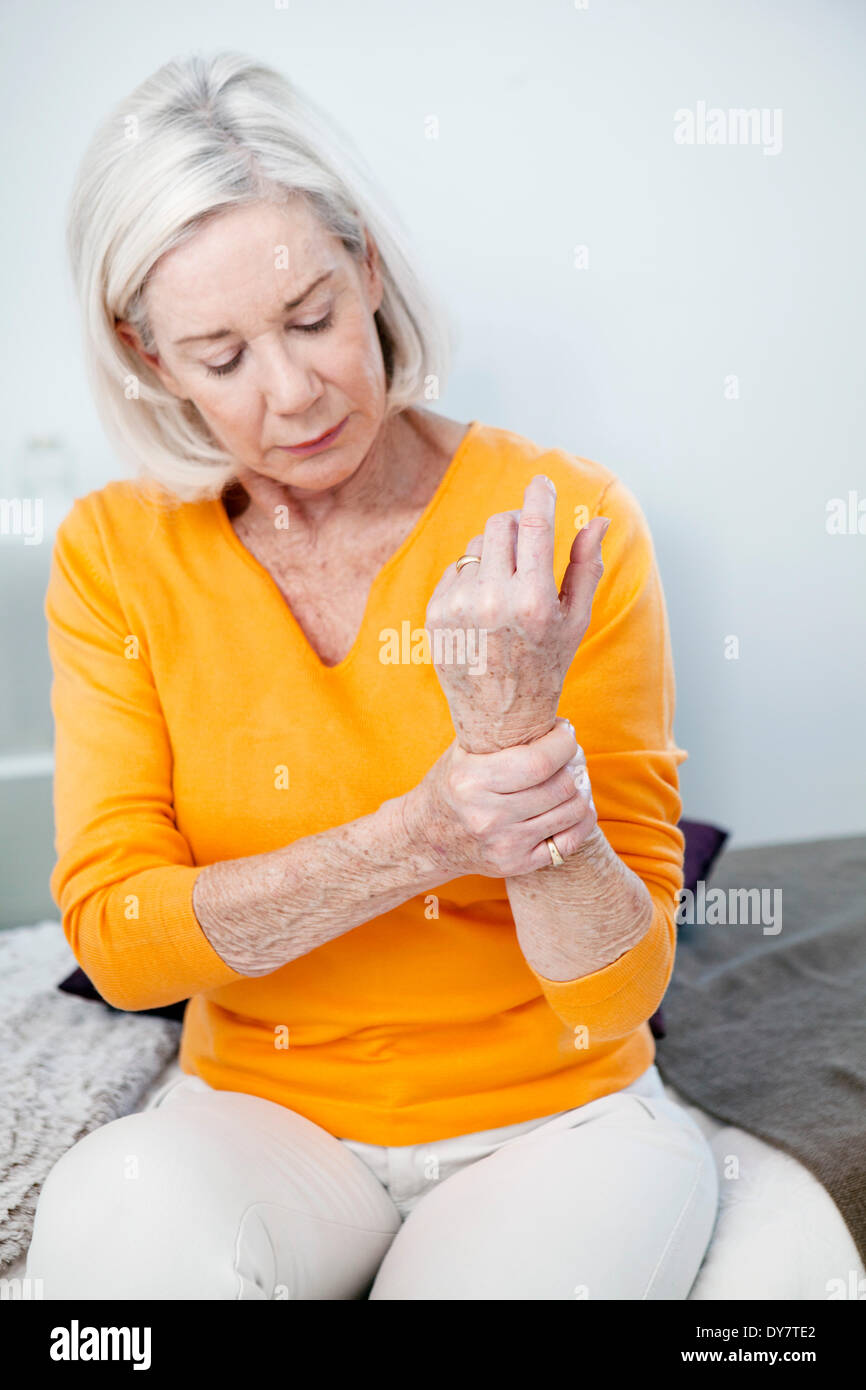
[468, 560]
[555, 855]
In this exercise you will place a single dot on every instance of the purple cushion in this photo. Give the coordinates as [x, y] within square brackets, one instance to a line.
[704, 844]
[78, 983]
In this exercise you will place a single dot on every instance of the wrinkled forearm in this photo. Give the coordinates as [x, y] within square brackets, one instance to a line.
[265, 910]
[578, 918]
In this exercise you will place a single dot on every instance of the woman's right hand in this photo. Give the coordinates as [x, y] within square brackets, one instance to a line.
[490, 813]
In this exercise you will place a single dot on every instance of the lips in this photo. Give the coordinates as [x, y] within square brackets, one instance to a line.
[318, 441]
[305, 443]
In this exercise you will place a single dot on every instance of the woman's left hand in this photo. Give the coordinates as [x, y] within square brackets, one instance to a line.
[516, 635]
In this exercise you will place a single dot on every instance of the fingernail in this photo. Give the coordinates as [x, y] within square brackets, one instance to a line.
[604, 528]
[550, 483]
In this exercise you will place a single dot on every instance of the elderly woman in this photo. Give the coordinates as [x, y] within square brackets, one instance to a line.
[320, 673]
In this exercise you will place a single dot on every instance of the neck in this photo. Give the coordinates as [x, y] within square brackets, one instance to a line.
[391, 475]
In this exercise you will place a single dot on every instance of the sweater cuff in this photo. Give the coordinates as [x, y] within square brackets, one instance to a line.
[189, 952]
[630, 987]
[169, 958]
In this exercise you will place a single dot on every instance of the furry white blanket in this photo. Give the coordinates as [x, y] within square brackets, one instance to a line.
[67, 1066]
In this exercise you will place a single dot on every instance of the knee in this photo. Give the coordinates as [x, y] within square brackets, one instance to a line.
[124, 1211]
[687, 1144]
[692, 1210]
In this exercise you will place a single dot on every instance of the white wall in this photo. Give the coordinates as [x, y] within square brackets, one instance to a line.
[556, 130]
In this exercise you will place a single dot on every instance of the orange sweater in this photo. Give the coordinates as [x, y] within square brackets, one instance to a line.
[194, 723]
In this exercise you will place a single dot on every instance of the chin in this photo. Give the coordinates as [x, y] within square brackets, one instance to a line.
[315, 473]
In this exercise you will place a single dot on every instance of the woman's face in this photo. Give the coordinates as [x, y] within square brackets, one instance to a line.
[265, 371]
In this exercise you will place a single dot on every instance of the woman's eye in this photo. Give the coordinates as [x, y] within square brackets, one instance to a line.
[316, 327]
[227, 367]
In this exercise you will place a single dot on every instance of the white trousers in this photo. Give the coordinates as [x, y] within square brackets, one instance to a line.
[210, 1194]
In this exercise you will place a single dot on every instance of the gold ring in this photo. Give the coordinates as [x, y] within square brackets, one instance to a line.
[468, 560]
[555, 855]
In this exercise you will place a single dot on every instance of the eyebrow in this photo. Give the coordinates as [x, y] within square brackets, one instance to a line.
[287, 307]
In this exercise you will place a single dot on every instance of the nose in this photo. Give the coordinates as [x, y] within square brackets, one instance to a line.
[289, 385]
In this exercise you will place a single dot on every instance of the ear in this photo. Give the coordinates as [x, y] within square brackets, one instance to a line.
[130, 337]
[373, 273]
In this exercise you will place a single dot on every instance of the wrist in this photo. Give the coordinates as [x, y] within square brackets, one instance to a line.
[494, 735]
[406, 828]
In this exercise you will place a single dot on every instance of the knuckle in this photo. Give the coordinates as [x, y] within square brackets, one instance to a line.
[536, 766]
[500, 521]
[461, 785]
[581, 779]
[568, 782]
[500, 853]
[477, 821]
[570, 842]
[585, 826]
[488, 606]
[531, 607]
[576, 749]
[578, 811]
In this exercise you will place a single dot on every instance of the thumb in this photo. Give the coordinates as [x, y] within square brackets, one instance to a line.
[584, 570]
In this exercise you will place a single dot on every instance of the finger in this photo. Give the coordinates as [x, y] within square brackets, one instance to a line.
[451, 574]
[584, 570]
[570, 840]
[581, 780]
[567, 841]
[559, 820]
[559, 787]
[527, 764]
[498, 553]
[536, 530]
[468, 574]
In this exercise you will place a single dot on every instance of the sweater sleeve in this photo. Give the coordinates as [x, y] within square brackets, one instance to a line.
[124, 874]
[619, 694]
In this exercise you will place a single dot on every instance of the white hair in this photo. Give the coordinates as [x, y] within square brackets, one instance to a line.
[199, 136]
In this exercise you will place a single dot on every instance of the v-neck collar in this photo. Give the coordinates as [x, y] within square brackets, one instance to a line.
[237, 545]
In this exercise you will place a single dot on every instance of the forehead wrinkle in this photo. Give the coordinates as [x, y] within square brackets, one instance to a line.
[287, 306]
[213, 264]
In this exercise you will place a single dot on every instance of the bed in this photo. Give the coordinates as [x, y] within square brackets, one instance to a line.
[779, 1233]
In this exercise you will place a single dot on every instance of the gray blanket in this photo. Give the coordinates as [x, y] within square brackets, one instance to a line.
[766, 1012]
